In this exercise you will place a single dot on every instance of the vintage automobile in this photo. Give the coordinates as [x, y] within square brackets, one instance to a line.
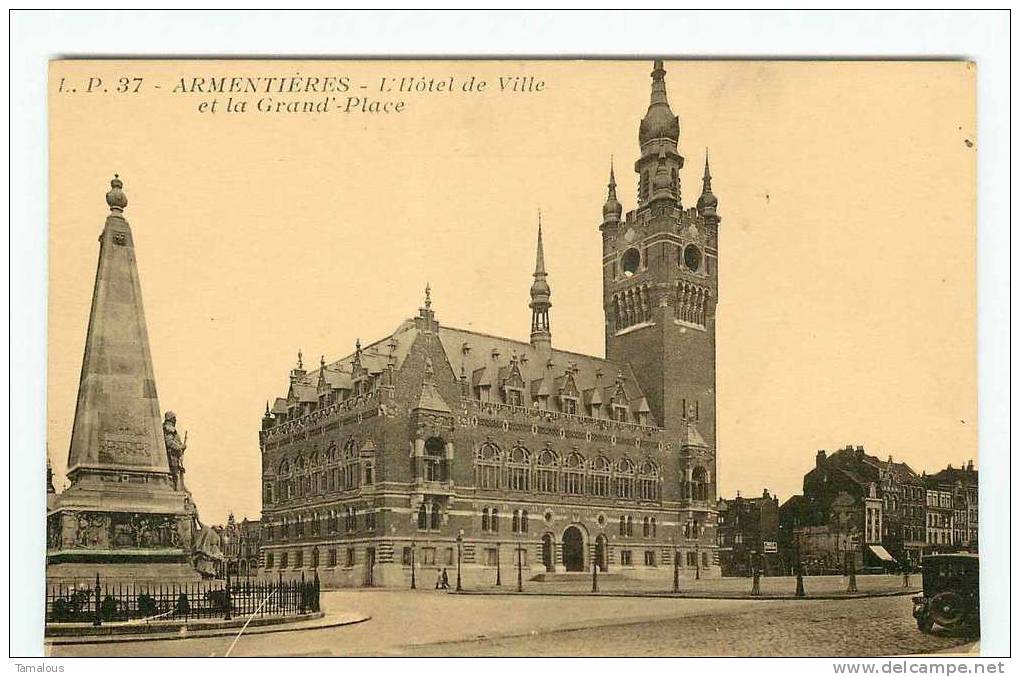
[950, 598]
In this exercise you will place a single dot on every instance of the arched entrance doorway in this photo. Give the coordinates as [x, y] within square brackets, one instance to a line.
[547, 553]
[573, 549]
[602, 552]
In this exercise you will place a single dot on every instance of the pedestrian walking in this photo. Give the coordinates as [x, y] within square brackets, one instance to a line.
[445, 579]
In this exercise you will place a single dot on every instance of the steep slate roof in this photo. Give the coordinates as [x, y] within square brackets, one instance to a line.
[595, 377]
[540, 378]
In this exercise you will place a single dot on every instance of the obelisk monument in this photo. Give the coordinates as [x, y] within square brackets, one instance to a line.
[124, 514]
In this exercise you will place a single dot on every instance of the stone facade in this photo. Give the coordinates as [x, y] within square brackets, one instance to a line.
[881, 513]
[748, 531]
[437, 445]
[962, 485]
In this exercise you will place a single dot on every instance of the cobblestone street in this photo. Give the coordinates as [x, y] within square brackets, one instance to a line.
[429, 623]
[871, 627]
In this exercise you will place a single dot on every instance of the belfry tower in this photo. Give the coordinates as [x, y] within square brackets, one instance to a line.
[660, 277]
[123, 513]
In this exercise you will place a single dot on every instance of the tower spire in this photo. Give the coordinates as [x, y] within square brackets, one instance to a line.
[659, 122]
[708, 202]
[541, 336]
[540, 253]
[612, 210]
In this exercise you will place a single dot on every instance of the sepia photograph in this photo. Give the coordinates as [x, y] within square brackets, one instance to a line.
[509, 356]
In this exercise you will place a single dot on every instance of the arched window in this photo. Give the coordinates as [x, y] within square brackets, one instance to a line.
[494, 520]
[423, 517]
[699, 484]
[519, 469]
[435, 460]
[624, 479]
[524, 521]
[485, 519]
[600, 472]
[623, 525]
[350, 465]
[573, 475]
[646, 528]
[654, 529]
[648, 482]
[546, 472]
[488, 466]
[516, 523]
[437, 516]
[630, 525]
[369, 473]
[315, 558]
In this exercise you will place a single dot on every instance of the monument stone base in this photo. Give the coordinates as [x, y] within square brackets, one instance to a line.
[123, 526]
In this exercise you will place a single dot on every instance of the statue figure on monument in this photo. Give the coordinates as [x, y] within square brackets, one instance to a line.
[175, 447]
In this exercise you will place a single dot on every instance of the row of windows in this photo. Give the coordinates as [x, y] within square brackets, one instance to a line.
[318, 483]
[330, 456]
[518, 524]
[652, 558]
[574, 475]
[649, 527]
[631, 307]
[316, 523]
[298, 561]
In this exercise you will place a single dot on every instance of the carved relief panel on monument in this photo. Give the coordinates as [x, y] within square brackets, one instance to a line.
[102, 531]
[125, 439]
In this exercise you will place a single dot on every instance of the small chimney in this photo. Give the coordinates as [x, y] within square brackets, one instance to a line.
[819, 457]
[970, 466]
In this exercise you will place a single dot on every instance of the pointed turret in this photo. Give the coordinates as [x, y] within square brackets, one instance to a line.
[612, 210]
[50, 489]
[708, 202]
[541, 335]
[117, 423]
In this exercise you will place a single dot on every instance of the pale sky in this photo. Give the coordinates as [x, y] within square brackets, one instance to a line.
[847, 247]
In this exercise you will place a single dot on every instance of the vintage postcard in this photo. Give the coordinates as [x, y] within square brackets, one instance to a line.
[579, 357]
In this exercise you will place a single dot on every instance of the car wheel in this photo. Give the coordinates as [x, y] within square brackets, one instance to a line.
[948, 609]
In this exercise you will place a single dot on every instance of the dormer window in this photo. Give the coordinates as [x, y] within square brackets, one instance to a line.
[569, 405]
[514, 396]
[620, 413]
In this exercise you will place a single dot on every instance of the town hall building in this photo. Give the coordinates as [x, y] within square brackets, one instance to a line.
[436, 445]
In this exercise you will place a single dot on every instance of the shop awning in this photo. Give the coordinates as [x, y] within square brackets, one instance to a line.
[881, 553]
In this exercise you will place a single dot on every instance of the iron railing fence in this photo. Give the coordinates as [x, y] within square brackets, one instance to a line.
[99, 602]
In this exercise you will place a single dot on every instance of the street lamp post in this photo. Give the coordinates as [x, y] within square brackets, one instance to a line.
[800, 568]
[226, 566]
[851, 585]
[460, 554]
[756, 575]
[520, 568]
[414, 582]
[499, 577]
[676, 568]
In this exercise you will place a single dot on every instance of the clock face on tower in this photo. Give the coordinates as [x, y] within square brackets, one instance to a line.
[692, 257]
